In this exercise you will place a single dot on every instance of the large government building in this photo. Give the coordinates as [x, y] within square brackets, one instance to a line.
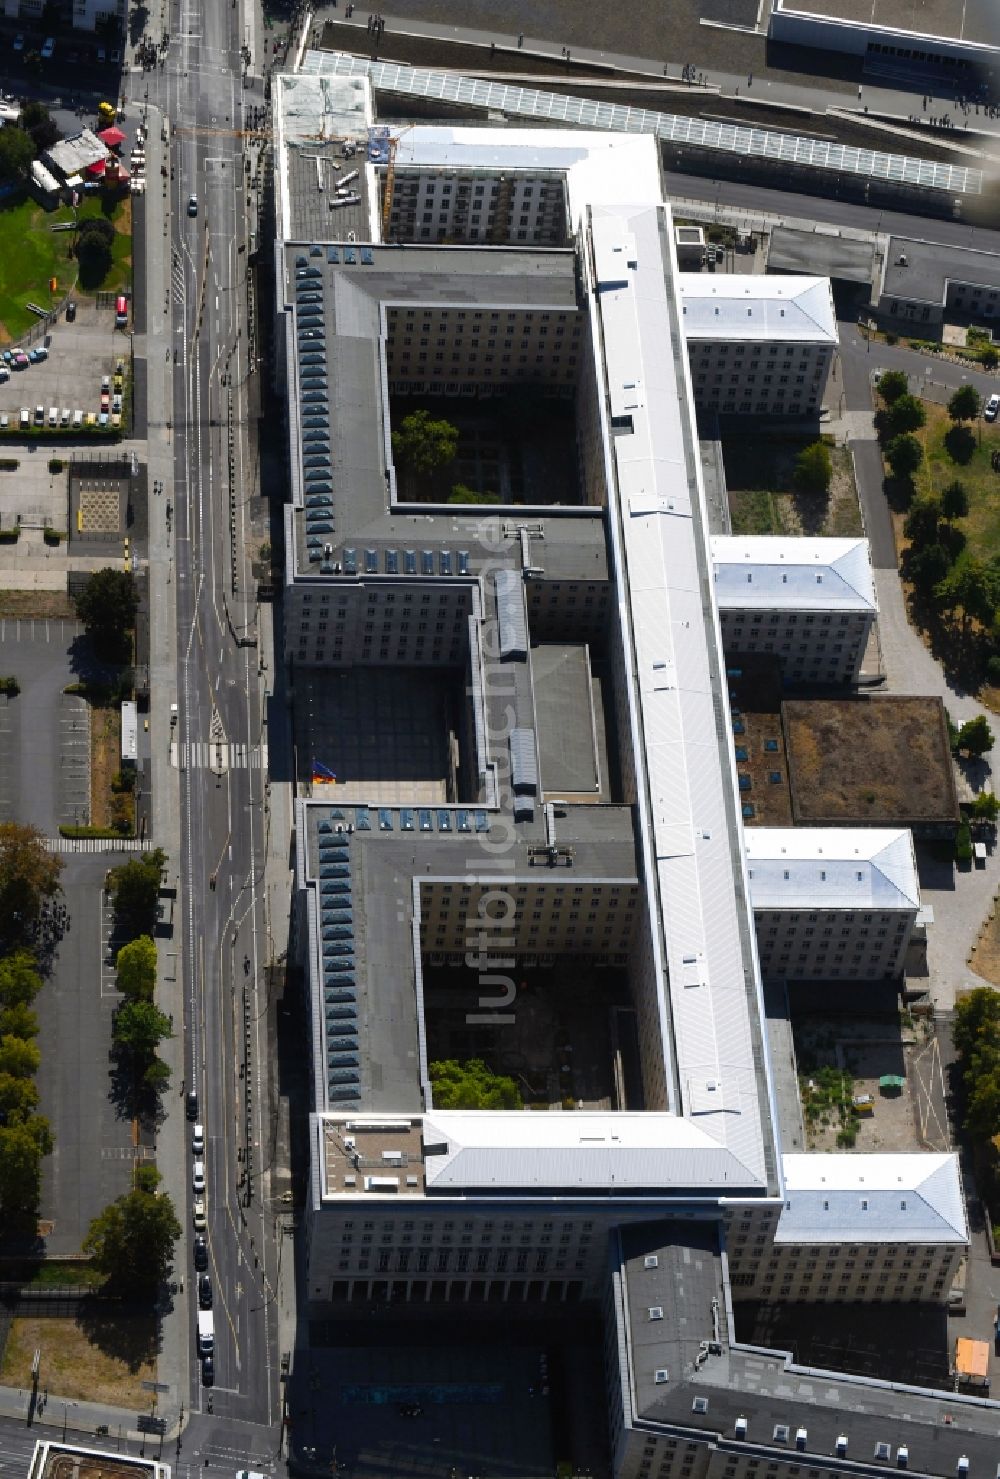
[519, 835]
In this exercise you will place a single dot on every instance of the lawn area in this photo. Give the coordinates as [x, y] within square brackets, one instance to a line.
[762, 500]
[99, 1357]
[31, 253]
[982, 526]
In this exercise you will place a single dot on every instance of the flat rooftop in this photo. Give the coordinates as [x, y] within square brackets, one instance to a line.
[844, 762]
[973, 21]
[918, 271]
[835, 253]
[567, 726]
[76, 1461]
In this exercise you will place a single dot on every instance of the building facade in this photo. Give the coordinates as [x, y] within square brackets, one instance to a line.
[808, 603]
[759, 346]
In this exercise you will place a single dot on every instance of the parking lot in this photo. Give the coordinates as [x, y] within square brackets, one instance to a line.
[80, 354]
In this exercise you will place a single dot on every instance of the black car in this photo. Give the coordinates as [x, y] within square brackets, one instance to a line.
[192, 1105]
[207, 1371]
[200, 1254]
[205, 1292]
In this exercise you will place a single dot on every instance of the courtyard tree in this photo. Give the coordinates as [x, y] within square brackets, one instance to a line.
[134, 890]
[18, 1057]
[20, 982]
[986, 806]
[965, 404]
[422, 445]
[971, 588]
[813, 469]
[955, 500]
[960, 444]
[892, 385]
[136, 968]
[94, 242]
[904, 455]
[923, 521]
[18, 1021]
[37, 121]
[928, 565]
[132, 1240]
[471, 1085]
[17, 150]
[29, 875]
[107, 606]
[18, 1099]
[139, 1028]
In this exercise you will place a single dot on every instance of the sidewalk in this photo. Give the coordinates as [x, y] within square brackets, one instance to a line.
[78, 1417]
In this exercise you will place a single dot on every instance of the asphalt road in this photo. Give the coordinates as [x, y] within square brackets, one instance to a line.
[222, 815]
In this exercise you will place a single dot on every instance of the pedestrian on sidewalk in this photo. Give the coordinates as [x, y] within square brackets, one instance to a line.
[520, 38]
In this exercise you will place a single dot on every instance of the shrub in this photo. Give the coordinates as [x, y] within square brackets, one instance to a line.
[963, 844]
[10, 536]
[9, 464]
[993, 670]
[892, 385]
[56, 464]
[10, 686]
[813, 469]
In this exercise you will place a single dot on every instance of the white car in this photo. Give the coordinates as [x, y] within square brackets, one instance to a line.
[198, 1177]
[992, 408]
[48, 49]
[198, 1140]
[198, 1215]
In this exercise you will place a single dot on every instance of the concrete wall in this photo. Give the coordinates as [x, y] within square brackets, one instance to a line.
[759, 379]
[830, 944]
[812, 647]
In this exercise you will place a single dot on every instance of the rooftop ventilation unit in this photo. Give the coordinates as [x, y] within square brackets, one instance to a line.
[780, 1433]
[902, 1457]
[883, 1451]
[963, 1467]
[741, 1427]
[660, 1375]
[700, 1405]
[842, 1446]
[650, 1261]
[801, 1438]
[655, 1312]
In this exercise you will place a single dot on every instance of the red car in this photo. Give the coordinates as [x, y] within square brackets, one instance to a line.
[105, 401]
[21, 360]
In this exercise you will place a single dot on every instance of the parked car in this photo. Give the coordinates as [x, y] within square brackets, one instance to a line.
[8, 356]
[991, 408]
[104, 419]
[39, 415]
[37, 355]
[48, 49]
[105, 382]
[205, 1292]
[4, 421]
[207, 1371]
[66, 415]
[198, 1215]
[192, 1105]
[200, 1253]
[192, 205]
[25, 418]
[19, 41]
[198, 1139]
[53, 415]
[4, 374]
[198, 1176]
[21, 360]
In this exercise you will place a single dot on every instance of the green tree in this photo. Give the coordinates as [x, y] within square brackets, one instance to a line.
[18, 1021]
[989, 359]
[132, 1241]
[422, 444]
[156, 1076]
[904, 455]
[19, 1057]
[965, 404]
[955, 500]
[107, 606]
[972, 589]
[975, 736]
[928, 566]
[134, 889]
[960, 444]
[17, 150]
[20, 1168]
[461, 494]
[29, 874]
[20, 982]
[139, 1028]
[37, 121]
[18, 1099]
[923, 521]
[976, 1021]
[982, 1107]
[136, 967]
[471, 1085]
[813, 469]
[892, 385]
[99, 227]
[904, 415]
[986, 807]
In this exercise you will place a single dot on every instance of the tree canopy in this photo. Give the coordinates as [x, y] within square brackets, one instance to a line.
[140, 1027]
[134, 889]
[422, 444]
[892, 385]
[904, 415]
[20, 982]
[17, 150]
[904, 455]
[18, 1057]
[136, 968]
[29, 874]
[132, 1240]
[471, 1085]
[813, 469]
[955, 500]
[37, 121]
[965, 404]
[975, 736]
[107, 606]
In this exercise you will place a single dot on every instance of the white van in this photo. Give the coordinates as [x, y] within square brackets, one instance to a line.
[206, 1333]
[53, 415]
[77, 418]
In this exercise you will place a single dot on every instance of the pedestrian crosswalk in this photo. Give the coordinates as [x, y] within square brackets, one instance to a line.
[217, 755]
[97, 844]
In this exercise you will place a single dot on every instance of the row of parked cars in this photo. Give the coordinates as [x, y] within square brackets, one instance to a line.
[19, 359]
[110, 414]
[206, 1318]
[74, 55]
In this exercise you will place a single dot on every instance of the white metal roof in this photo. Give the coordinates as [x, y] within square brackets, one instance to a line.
[742, 307]
[915, 1197]
[494, 1148]
[832, 868]
[659, 548]
[767, 572]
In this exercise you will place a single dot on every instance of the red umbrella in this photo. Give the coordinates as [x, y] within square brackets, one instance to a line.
[112, 137]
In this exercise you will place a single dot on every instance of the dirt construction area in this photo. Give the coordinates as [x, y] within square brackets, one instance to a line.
[96, 1357]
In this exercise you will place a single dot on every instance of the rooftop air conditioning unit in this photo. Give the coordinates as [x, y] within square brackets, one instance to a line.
[661, 1375]
[655, 1312]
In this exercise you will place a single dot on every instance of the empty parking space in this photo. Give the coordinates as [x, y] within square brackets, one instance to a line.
[44, 731]
[74, 761]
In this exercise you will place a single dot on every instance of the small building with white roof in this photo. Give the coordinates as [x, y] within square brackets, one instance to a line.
[810, 602]
[832, 903]
[759, 346]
